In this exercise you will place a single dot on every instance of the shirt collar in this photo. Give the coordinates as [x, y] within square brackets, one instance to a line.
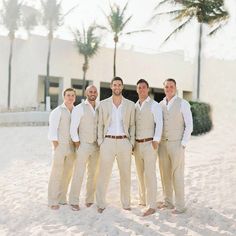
[122, 101]
[146, 100]
[171, 100]
[87, 103]
[63, 105]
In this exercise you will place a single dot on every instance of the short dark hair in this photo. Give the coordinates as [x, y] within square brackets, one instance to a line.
[170, 80]
[69, 90]
[117, 78]
[142, 81]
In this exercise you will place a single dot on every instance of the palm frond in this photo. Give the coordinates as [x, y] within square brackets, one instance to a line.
[168, 13]
[125, 23]
[217, 28]
[11, 16]
[179, 28]
[70, 10]
[103, 27]
[161, 3]
[124, 9]
[138, 31]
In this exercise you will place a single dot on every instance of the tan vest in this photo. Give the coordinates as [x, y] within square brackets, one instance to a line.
[173, 121]
[88, 125]
[145, 125]
[64, 126]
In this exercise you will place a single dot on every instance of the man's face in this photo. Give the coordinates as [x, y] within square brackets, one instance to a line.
[142, 90]
[92, 94]
[69, 97]
[170, 89]
[117, 87]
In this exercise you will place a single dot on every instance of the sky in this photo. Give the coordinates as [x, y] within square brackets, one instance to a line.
[222, 45]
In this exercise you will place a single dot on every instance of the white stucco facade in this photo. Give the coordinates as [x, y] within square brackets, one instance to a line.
[29, 65]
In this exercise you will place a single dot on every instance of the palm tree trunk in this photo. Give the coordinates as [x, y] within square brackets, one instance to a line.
[114, 61]
[9, 73]
[47, 80]
[83, 88]
[85, 68]
[199, 60]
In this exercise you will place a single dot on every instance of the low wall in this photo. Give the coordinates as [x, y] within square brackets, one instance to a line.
[31, 118]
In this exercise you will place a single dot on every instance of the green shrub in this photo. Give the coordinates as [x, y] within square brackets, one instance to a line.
[202, 122]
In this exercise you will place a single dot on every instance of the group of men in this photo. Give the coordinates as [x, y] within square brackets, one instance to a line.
[91, 136]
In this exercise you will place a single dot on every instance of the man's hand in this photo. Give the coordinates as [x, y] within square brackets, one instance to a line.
[155, 144]
[77, 144]
[55, 144]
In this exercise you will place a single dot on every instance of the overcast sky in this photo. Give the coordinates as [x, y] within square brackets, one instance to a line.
[223, 45]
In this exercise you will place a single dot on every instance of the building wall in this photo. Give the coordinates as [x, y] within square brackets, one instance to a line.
[218, 84]
[29, 63]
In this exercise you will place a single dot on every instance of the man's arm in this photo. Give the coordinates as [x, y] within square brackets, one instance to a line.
[76, 116]
[100, 125]
[132, 125]
[158, 119]
[188, 121]
[54, 120]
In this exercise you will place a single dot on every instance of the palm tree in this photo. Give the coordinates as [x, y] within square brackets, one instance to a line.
[88, 45]
[52, 18]
[209, 12]
[117, 23]
[12, 19]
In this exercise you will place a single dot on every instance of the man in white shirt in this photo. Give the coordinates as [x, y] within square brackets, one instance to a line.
[177, 129]
[116, 128]
[148, 119]
[63, 150]
[83, 132]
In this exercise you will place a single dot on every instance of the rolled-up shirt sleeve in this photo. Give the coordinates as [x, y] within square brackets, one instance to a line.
[54, 120]
[188, 121]
[76, 115]
[158, 119]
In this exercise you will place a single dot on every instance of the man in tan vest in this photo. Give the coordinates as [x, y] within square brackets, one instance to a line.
[116, 128]
[63, 150]
[83, 132]
[148, 127]
[177, 128]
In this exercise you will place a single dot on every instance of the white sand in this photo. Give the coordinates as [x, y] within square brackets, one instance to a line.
[210, 191]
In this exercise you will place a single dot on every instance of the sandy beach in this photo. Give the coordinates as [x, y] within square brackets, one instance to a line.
[210, 191]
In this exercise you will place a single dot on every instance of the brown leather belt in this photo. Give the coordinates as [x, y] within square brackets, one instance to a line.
[116, 137]
[143, 140]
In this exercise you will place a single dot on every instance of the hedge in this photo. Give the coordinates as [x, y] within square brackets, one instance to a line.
[202, 122]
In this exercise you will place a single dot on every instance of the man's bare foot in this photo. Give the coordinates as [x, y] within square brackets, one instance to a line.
[163, 205]
[75, 207]
[54, 207]
[100, 210]
[127, 208]
[89, 204]
[175, 211]
[150, 211]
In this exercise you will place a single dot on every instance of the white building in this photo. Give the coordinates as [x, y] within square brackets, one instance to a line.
[29, 70]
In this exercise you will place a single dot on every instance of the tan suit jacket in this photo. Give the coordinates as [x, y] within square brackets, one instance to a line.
[105, 115]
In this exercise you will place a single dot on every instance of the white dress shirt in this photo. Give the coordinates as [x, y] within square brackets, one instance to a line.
[54, 120]
[116, 125]
[76, 116]
[158, 117]
[187, 116]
